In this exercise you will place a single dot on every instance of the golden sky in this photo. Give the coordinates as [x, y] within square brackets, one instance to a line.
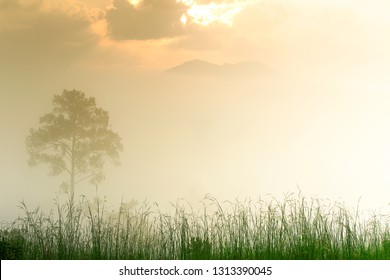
[324, 125]
[153, 35]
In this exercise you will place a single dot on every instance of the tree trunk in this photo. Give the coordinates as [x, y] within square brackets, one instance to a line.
[72, 177]
[72, 171]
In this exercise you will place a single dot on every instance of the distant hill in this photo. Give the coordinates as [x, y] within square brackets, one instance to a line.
[239, 70]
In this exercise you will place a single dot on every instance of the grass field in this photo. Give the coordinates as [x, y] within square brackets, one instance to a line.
[295, 228]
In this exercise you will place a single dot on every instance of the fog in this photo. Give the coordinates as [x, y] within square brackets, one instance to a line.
[186, 136]
[319, 125]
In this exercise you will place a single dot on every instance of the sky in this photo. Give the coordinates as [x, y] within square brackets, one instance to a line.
[321, 126]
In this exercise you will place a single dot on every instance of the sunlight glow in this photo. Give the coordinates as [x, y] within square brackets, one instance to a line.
[206, 14]
[134, 2]
[184, 19]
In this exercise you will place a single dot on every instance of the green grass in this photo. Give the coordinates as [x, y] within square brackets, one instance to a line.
[295, 228]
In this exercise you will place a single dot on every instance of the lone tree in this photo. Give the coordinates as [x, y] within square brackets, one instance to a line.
[75, 138]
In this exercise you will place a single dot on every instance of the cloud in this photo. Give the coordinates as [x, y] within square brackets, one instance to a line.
[327, 37]
[34, 35]
[330, 38]
[12, 4]
[150, 19]
[214, 37]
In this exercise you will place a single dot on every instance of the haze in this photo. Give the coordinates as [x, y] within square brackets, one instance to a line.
[320, 123]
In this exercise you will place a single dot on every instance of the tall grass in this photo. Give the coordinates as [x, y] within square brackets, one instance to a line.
[294, 228]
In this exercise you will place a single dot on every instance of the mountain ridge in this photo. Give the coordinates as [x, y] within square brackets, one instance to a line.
[203, 68]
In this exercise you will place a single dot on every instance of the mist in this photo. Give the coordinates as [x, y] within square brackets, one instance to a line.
[186, 136]
[319, 126]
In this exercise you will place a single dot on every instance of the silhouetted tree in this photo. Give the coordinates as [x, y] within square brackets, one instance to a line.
[75, 138]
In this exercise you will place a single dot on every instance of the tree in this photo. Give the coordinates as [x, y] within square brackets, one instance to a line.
[75, 138]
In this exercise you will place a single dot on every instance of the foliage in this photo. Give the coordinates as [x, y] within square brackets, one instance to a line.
[296, 228]
[74, 138]
[11, 244]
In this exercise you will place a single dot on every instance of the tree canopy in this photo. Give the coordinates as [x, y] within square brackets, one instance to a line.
[75, 138]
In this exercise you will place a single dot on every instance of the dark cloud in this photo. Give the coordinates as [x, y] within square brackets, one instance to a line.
[8, 4]
[150, 19]
[32, 38]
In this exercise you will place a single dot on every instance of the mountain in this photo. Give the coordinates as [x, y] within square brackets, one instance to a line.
[239, 70]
